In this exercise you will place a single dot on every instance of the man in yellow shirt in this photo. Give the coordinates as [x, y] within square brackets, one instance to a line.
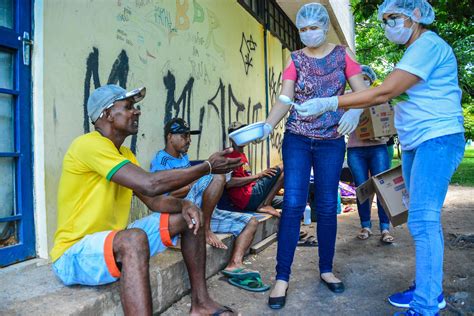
[93, 244]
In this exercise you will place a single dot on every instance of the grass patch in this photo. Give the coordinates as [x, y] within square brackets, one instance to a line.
[469, 153]
[464, 175]
[395, 162]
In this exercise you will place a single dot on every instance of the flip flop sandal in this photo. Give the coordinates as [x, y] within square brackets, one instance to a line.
[311, 241]
[241, 273]
[223, 310]
[387, 238]
[364, 234]
[348, 209]
[303, 235]
[250, 284]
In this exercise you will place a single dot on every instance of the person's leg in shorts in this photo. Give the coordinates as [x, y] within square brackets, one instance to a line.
[242, 226]
[272, 198]
[263, 198]
[104, 257]
[206, 193]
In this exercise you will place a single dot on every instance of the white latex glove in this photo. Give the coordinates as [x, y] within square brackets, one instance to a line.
[267, 130]
[349, 121]
[317, 106]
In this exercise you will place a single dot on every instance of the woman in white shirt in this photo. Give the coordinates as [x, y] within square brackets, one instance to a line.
[431, 133]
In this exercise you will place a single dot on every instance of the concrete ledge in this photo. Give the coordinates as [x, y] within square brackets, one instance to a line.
[32, 289]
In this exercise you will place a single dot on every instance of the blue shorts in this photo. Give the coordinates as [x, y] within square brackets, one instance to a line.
[91, 260]
[222, 221]
[225, 222]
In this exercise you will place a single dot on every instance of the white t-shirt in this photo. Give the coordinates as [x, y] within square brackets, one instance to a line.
[434, 105]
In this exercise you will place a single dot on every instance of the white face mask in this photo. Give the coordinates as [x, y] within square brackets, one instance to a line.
[313, 38]
[399, 34]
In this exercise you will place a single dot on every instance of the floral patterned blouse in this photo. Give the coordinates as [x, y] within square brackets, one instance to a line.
[318, 78]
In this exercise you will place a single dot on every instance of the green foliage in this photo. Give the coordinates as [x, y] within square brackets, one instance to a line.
[468, 111]
[374, 49]
[446, 10]
[454, 23]
[464, 175]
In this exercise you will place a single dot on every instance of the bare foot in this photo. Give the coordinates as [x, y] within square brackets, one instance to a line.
[329, 277]
[214, 241]
[280, 166]
[269, 210]
[232, 266]
[210, 308]
[279, 289]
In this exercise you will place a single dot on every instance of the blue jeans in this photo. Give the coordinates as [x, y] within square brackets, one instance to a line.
[300, 153]
[361, 161]
[427, 171]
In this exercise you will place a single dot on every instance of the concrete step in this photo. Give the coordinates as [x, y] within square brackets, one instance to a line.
[31, 288]
[264, 244]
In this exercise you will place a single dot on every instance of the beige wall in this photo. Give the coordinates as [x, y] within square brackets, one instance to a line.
[345, 19]
[199, 59]
[277, 58]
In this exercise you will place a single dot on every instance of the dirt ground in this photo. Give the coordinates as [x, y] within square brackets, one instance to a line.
[370, 270]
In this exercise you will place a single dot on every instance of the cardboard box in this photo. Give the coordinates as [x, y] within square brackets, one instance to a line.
[391, 192]
[376, 121]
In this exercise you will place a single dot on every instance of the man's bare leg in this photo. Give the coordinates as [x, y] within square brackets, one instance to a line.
[132, 252]
[193, 248]
[266, 205]
[268, 209]
[271, 194]
[210, 198]
[242, 243]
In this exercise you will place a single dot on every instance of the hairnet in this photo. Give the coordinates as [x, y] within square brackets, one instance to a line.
[366, 70]
[407, 7]
[313, 14]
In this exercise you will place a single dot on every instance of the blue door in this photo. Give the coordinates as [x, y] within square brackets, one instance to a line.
[17, 237]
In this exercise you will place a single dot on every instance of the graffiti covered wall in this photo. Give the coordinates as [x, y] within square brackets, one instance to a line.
[277, 59]
[201, 60]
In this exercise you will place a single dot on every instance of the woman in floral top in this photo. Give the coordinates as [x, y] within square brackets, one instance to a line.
[321, 69]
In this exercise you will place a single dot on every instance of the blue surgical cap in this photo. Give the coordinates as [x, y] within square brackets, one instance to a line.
[425, 16]
[366, 70]
[313, 14]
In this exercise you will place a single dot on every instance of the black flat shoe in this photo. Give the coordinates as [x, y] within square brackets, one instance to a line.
[277, 302]
[337, 287]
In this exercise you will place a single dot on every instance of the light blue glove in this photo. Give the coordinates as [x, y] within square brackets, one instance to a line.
[267, 130]
[349, 121]
[317, 106]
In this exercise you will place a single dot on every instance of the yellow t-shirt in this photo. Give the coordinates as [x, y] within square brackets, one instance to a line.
[88, 202]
